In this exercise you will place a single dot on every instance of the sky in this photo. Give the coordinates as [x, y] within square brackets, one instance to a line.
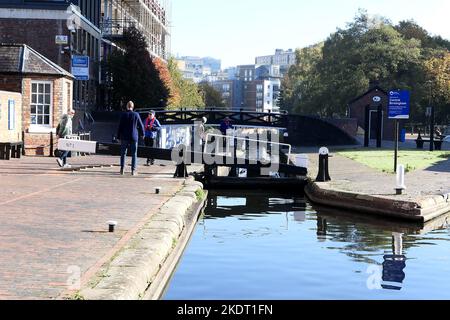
[236, 31]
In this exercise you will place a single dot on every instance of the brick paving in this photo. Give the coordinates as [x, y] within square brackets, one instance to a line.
[53, 223]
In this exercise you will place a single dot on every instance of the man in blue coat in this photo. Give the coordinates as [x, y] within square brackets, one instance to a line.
[130, 129]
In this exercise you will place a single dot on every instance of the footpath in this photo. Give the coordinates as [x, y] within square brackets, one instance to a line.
[362, 189]
[54, 232]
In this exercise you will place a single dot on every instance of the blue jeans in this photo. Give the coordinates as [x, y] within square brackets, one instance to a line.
[123, 152]
[64, 156]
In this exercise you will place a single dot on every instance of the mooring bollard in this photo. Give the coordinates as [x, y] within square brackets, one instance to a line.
[112, 225]
[323, 175]
[400, 183]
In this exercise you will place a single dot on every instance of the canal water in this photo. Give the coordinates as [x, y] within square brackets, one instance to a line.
[273, 246]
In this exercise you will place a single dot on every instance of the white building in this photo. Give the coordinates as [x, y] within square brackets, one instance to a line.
[198, 69]
[281, 58]
[267, 95]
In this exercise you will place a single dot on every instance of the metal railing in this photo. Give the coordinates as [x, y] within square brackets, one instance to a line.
[116, 27]
[247, 141]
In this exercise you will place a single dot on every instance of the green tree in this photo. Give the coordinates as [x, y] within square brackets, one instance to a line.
[212, 97]
[186, 92]
[437, 73]
[300, 85]
[327, 76]
[133, 74]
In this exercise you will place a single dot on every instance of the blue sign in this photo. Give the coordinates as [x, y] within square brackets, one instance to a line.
[399, 104]
[11, 114]
[80, 67]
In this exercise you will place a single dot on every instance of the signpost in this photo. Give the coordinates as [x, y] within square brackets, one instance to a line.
[77, 145]
[80, 67]
[61, 39]
[399, 109]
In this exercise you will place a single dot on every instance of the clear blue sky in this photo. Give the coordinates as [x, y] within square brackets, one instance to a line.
[236, 31]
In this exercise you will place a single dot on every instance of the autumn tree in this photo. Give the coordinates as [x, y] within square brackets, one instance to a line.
[166, 78]
[134, 75]
[188, 92]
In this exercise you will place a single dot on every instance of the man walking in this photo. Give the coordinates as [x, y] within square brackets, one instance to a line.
[130, 129]
[152, 126]
[64, 129]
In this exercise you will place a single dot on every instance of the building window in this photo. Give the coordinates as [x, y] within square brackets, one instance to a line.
[41, 103]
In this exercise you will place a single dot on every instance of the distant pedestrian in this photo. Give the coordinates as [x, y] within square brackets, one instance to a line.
[130, 129]
[438, 133]
[152, 127]
[225, 125]
[64, 129]
[200, 133]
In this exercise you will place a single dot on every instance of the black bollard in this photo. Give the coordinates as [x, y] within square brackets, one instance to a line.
[51, 145]
[419, 141]
[181, 170]
[323, 174]
[112, 225]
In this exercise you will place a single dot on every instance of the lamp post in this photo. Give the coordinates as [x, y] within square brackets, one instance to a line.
[432, 120]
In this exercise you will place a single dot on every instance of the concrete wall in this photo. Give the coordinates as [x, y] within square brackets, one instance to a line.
[7, 135]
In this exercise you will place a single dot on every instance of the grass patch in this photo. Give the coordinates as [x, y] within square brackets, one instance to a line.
[174, 243]
[77, 296]
[200, 194]
[383, 160]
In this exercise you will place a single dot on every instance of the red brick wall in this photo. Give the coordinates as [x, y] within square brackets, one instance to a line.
[349, 125]
[358, 109]
[39, 143]
[11, 83]
[41, 39]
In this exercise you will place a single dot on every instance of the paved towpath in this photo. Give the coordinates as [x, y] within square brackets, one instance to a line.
[53, 224]
[349, 175]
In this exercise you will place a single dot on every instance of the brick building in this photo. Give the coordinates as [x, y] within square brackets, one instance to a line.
[62, 29]
[47, 93]
[59, 30]
[365, 107]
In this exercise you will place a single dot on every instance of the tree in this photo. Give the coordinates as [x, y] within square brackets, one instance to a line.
[327, 76]
[134, 75]
[300, 85]
[212, 97]
[437, 73]
[165, 76]
[186, 92]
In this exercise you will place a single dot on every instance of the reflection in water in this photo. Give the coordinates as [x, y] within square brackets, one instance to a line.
[275, 246]
[394, 265]
[321, 229]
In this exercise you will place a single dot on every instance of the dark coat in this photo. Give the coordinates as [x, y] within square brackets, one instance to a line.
[130, 127]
